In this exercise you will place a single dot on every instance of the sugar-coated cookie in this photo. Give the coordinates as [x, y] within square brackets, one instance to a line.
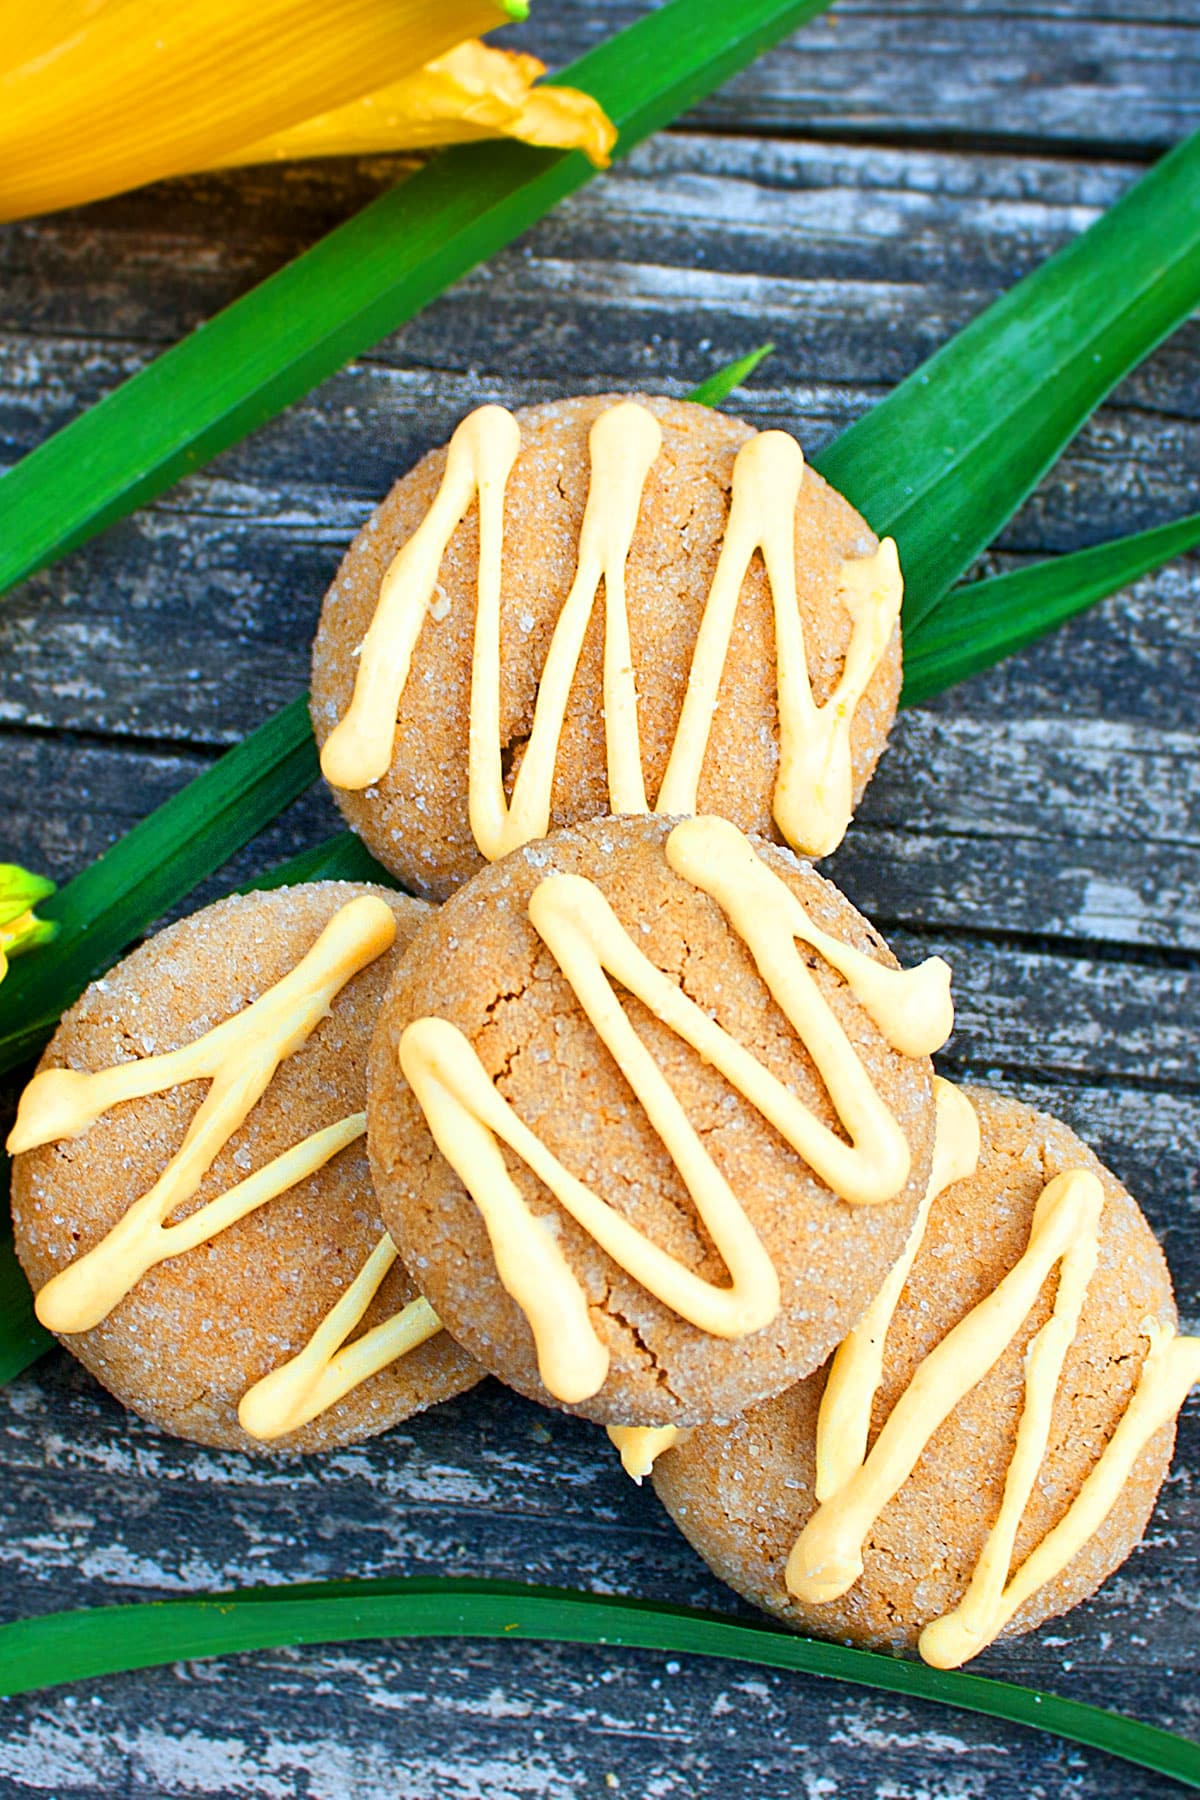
[916, 1491]
[650, 1115]
[596, 606]
[137, 1122]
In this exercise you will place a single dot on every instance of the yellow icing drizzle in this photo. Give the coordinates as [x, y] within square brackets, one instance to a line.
[814, 788]
[1170, 1371]
[240, 1057]
[469, 1119]
[79, 1296]
[639, 1446]
[480, 455]
[328, 1368]
[624, 442]
[854, 1488]
[845, 1412]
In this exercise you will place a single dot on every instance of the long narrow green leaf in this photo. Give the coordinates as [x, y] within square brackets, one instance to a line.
[340, 858]
[946, 459]
[110, 904]
[359, 283]
[76, 1646]
[22, 1339]
[977, 625]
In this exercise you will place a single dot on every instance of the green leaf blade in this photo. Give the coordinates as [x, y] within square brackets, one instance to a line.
[22, 1339]
[75, 1646]
[975, 626]
[356, 285]
[105, 908]
[945, 460]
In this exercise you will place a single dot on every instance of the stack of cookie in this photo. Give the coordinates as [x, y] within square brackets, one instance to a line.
[641, 1117]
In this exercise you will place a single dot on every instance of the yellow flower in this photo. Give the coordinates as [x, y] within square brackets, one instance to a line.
[101, 95]
[473, 92]
[19, 894]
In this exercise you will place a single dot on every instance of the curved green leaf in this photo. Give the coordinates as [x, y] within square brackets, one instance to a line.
[76, 1646]
[357, 284]
[977, 625]
[946, 459]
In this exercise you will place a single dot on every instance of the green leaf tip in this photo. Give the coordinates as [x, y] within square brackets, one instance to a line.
[517, 10]
[721, 383]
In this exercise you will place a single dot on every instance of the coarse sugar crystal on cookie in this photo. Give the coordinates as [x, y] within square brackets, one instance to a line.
[986, 1447]
[650, 1115]
[192, 1200]
[603, 605]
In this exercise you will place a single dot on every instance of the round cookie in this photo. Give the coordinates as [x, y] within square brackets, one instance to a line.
[414, 816]
[481, 969]
[197, 1330]
[743, 1493]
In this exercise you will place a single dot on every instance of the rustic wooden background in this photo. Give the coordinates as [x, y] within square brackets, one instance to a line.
[856, 196]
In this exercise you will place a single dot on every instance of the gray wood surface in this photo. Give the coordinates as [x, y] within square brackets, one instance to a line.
[855, 197]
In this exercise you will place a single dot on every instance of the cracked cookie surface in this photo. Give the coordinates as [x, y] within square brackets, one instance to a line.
[415, 818]
[742, 1494]
[198, 1330]
[479, 964]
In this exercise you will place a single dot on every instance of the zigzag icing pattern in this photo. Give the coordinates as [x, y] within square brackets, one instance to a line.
[814, 788]
[239, 1057]
[853, 1487]
[469, 1118]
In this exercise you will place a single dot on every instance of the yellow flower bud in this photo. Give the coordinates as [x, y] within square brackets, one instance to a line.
[19, 929]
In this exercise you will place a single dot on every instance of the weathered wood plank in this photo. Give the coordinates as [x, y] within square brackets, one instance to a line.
[1079, 831]
[775, 219]
[1072, 72]
[1039, 826]
[181, 624]
[1061, 828]
[516, 1722]
[487, 1485]
[194, 617]
[62, 804]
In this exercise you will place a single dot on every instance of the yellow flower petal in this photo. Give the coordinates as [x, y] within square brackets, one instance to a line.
[101, 95]
[474, 92]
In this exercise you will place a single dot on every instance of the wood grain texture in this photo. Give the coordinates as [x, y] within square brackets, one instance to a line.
[1040, 826]
[1077, 73]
